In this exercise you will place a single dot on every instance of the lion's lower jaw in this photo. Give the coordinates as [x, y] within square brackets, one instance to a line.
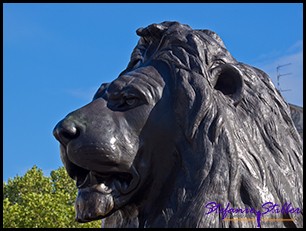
[99, 195]
[92, 205]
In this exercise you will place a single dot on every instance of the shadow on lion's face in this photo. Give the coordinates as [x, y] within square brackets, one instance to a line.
[183, 125]
[106, 146]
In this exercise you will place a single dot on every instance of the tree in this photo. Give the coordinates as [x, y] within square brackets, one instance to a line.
[35, 200]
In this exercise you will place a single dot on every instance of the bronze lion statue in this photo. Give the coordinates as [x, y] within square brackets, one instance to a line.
[185, 136]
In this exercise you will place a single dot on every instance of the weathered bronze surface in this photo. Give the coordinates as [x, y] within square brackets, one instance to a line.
[184, 126]
[297, 117]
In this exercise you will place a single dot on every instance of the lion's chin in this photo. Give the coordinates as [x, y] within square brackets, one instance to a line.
[100, 195]
[92, 204]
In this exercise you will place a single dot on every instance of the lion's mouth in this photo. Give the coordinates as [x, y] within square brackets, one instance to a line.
[100, 194]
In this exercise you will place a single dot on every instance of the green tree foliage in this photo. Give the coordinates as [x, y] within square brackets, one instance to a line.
[37, 201]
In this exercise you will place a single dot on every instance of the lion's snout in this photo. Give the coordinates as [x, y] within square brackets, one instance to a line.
[94, 138]
[65, 131]
[82, 123]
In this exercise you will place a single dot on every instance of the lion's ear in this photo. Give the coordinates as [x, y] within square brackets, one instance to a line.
[229, 80]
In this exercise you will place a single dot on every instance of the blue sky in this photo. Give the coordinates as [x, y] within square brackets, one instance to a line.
[57, 55]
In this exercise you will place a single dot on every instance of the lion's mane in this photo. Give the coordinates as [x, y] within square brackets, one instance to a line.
[240, 149]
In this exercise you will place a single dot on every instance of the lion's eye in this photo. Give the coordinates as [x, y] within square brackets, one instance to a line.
[124, 103]
[126, 100]
[131, 101]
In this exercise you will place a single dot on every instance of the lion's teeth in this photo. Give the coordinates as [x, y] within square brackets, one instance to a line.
[103, 188]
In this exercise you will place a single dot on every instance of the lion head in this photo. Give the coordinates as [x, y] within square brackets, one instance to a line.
[185, 124]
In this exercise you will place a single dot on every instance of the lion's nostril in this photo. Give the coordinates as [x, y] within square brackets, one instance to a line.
[69, 132]
[65, 131]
